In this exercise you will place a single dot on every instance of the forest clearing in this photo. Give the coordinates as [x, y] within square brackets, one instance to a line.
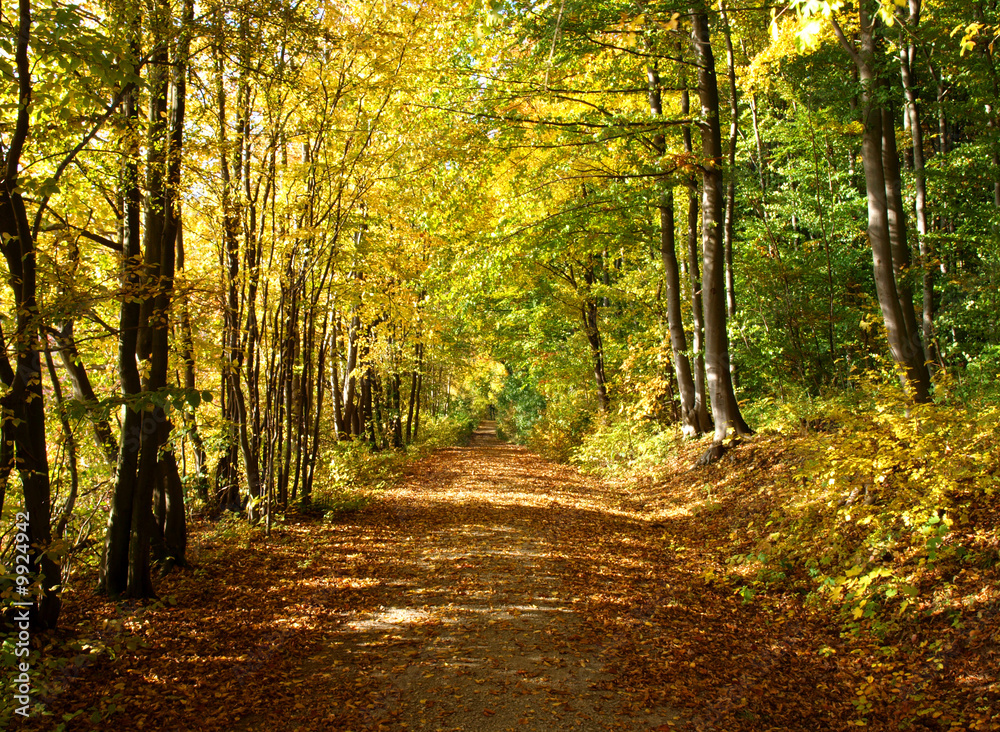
[490, 364]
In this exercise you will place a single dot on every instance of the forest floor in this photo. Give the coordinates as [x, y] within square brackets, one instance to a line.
[489, 590]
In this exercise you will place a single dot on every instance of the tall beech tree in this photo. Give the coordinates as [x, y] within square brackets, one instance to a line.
[725, 410]
[693, 415]
[886, 231]
[146, 471]
[23, 402]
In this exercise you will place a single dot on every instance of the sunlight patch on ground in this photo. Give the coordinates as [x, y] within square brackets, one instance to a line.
[392, 617]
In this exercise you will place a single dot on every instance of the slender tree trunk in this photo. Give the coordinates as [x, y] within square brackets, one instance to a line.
[227, 486]
[694, 279]
[71, 454]
[418, 356]
[901, 259]
[187, 357]
[416, 410]
[114, 566]
[690, 422]
[725, 410]
[397, 412]
[591, 328]
[734, 116]
[907, 54]
[318, 411]
[350, 379]
[906, 347]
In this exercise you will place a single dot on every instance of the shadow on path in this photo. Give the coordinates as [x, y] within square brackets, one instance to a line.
[473, 624]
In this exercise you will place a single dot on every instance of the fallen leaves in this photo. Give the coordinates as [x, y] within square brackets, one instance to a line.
[495, 590]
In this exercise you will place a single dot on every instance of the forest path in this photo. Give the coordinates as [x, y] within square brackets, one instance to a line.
[478, 623]
[490, 590]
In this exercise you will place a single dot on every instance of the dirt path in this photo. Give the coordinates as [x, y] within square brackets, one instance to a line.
[476, 626]
[491, 590]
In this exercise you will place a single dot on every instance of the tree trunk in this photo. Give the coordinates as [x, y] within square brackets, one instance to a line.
[24, 402]
[907, 54]
[114, 565]
[694, 279]
[725, 410]
[71, 454]
[901, 259]
[187, 357]
[171, 521]
[734, 115]
[350, 379]
[416, 410]
[418, 354]
[690, 422]
[591, 328]
[906, 347]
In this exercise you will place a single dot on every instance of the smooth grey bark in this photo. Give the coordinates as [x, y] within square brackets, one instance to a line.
[691, 425]
[734, 116]
[350, 378]
[895, 212]
[907, 55]
[725, 409]
[905, 345]
[694, 280]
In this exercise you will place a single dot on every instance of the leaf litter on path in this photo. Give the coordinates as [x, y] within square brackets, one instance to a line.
[490, 590]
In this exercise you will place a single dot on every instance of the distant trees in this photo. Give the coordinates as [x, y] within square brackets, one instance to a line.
[777, 221]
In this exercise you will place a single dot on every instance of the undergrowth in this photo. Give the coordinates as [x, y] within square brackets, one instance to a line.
[879, 507]
[622, 448]
[875, 514]
[886, 502]
[356, 472]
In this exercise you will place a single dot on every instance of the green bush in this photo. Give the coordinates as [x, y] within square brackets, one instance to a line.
[445, 431]
[626, 447]
[883, 495]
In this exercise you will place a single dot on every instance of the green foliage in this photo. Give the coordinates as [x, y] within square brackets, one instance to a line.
[882, 498]
[354, 471]
[626, 447]
[519, 405]
[558, 431]
[445, 431]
